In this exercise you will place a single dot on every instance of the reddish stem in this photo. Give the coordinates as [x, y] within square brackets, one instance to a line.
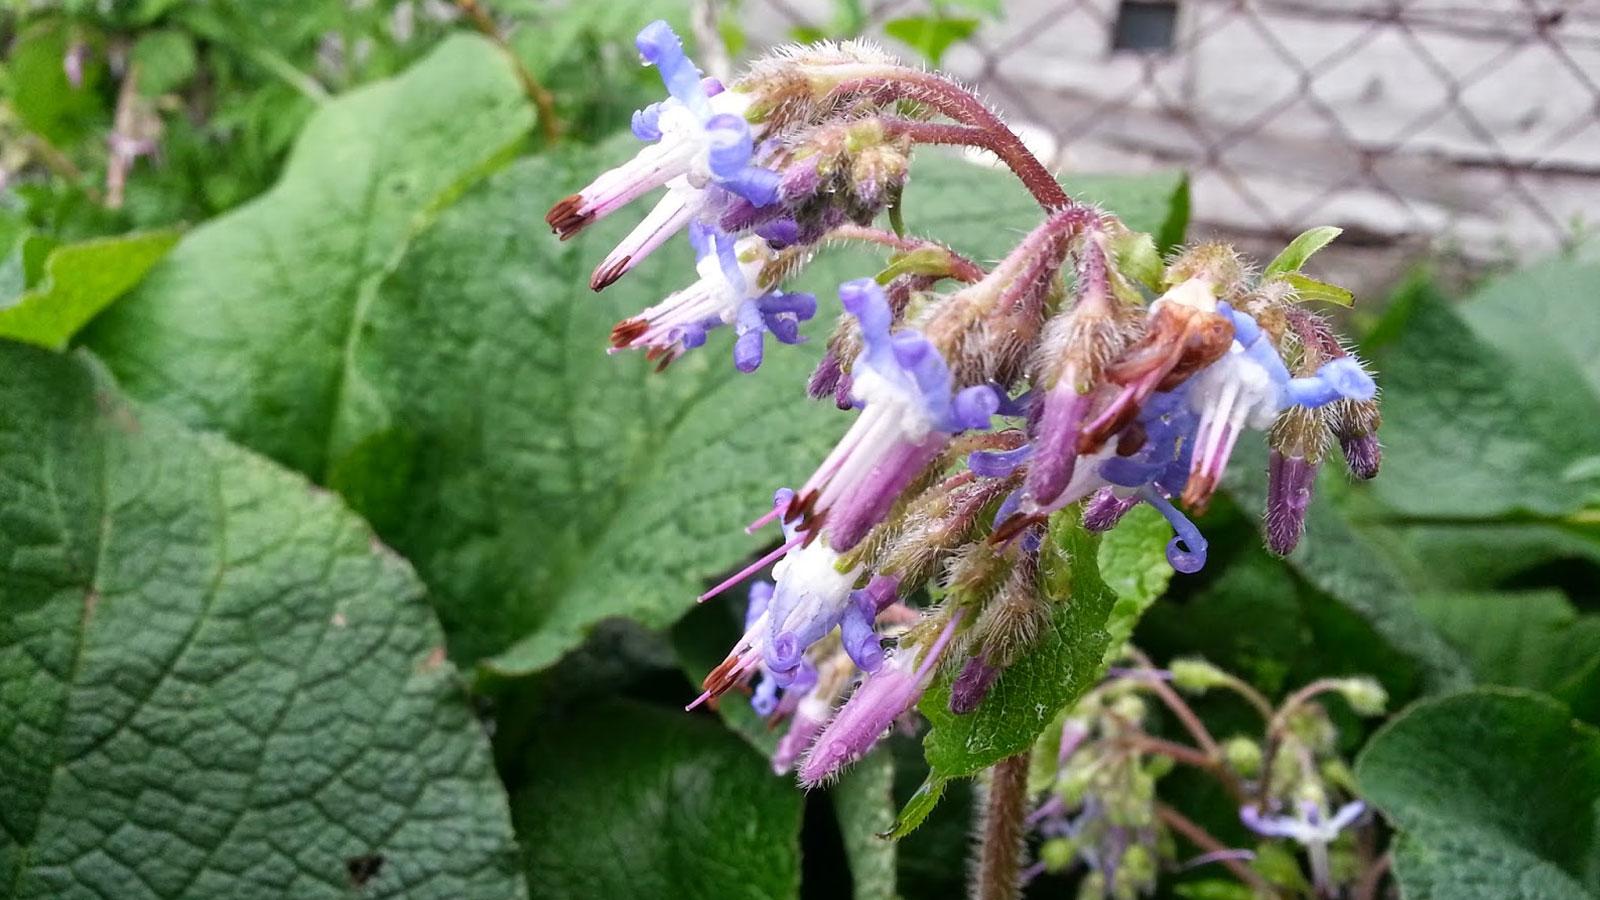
[988, 131]
[1203, 839]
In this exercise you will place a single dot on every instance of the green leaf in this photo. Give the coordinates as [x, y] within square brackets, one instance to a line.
[1338, 559]
[1471, 434]
[1497, 796]
[1133, 563]
[79, 281]
[629, 801]
[932, 35]
[863, 800]
[1309, 289]
[1533, 639]
[991, 8]
[1543, 319]
[166, 60]
[919, 806]
[1138, 258]
[541, 484]
[45, 102]
[1293, 258]
[1063, 663]
[214, 680]
[249, 324]
[936, 204]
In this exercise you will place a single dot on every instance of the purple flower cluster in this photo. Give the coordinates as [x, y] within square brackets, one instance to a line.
[1052, 383]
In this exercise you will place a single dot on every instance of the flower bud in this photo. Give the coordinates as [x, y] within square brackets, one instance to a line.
[1365, 695]
[1058, 854]
[1243, 755]
[1197, 676]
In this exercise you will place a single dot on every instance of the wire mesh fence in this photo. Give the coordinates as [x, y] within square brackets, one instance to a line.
[1468, 129]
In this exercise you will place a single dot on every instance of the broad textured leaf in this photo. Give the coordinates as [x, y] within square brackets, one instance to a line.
[863, 800]
[1065, 661]
[1466, 435]
[213, 680]
[1544, 319]
[1532, 639]
[630, 801]
[249, 324]
[79, 281]
[938, 203]
[1496, 794]
[1339, 560]
[538, 483]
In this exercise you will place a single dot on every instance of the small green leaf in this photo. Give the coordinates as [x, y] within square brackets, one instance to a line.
[1495, 793]
[930, 36]
[1065, 661]
[79, 281]
[1137, 257]
[1310, 289]
[214, 680]
[1293, 258]
[916, 810]
[166, 60]
[1133, 563]
[629, 801]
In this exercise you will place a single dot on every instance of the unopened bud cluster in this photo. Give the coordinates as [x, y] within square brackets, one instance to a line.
[1098, 811]
[1078, 376]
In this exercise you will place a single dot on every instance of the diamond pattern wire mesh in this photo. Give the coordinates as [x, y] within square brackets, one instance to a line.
[1470, 128]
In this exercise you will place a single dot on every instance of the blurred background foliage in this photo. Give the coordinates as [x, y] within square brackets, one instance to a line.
[1473, 560]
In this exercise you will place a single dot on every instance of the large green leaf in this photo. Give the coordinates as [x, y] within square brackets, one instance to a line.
[1531, 639]
[1066, 660]
[1472, 434]
[79, 281]
[636, 802]
[1496, 794]
[250, 323]
[539, 484]
[214, 681]
[1338, 559]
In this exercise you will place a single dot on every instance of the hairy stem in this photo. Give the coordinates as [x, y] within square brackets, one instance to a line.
[1001, 841]
[899, 83]
[1203, 839]
[1372, 878]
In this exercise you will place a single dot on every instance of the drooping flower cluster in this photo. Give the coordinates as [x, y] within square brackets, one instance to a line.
[1077, 377]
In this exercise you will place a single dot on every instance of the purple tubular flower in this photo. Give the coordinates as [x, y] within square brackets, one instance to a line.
[882, 697]
[1289, 483]
[1248, 387]
[1106, 508]
[803, 729]
[910, 411]
[1187, 549]
[700, 146]
[727, 291]
[1056, 440]
[998, 463]
[972, 685]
